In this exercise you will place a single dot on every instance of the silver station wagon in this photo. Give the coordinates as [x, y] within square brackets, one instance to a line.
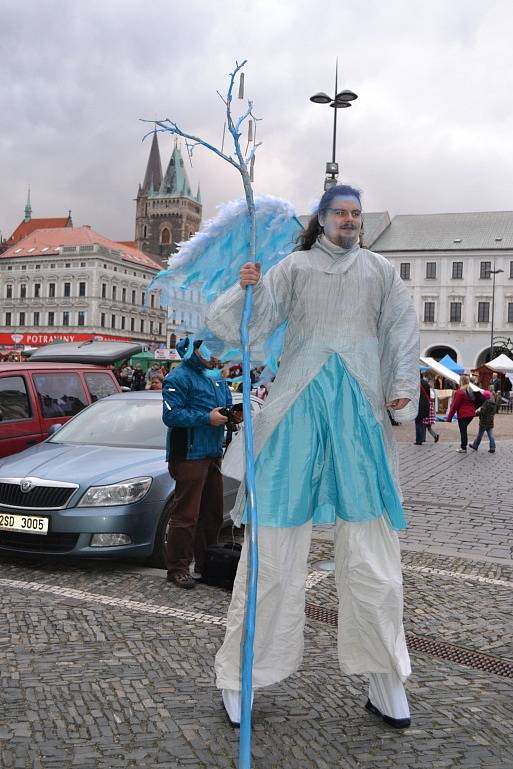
[98, 487]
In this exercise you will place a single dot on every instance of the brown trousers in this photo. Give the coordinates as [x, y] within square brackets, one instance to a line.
[197, 513]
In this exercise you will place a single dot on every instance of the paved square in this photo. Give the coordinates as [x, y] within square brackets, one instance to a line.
[106, 665]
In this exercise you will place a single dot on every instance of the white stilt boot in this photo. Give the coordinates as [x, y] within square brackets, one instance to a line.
[232, 702]
[387, 699]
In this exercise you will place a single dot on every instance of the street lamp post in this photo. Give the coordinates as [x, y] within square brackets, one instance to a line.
[494, 273]
[340, 100]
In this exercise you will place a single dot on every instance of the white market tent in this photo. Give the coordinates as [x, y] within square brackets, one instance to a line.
[438, 368]
[502, 364]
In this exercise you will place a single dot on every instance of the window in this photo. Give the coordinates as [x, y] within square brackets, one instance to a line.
[429, 312]
[132, 324]
[165, 237]
[51, 318]
[113, 321]
[511, 269]
[485, 271]
[82, 288]
[22, 318]
[67, 289]
[455, 313]
[23, 291]
[37, 290]
[65, 318]
[143, 297]
[8, 292]
[114, 293]
[133, 297]
[102, 320]
[160, 329]
[430, 270]
[457, 270]
[81, 318]
[36, 319]
[152, 300]
[510, 312]
[104, 290]
[100, 386]
[123, 321]
[14, 399]
[60, 395]
[142, 326]
[8, 318]
[123, 295]
[51, 290]
[151, 327]
[483, 312]
[405, 270]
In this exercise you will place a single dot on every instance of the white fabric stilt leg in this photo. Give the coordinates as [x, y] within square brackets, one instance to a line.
[280, 617]
[369, 584]
[232, 701]
[386, 692]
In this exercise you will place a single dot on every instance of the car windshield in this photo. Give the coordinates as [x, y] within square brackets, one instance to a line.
[126, 423]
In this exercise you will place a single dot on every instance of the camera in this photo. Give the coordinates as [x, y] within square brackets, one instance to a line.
[231, 412]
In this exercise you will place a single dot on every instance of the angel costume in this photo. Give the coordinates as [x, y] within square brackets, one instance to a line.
[325, 453]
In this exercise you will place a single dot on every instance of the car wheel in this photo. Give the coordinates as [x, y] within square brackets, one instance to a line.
[158, 556]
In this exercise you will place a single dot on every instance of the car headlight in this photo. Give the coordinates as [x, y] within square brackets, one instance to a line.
[124, 493]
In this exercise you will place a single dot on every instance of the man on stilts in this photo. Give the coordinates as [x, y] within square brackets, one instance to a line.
[325, 454]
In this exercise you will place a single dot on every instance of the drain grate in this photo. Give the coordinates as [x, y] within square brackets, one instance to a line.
[440, 649]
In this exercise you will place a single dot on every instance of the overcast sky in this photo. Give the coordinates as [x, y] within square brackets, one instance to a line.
[431, 131]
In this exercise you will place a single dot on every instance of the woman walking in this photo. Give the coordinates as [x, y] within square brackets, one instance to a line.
[430, 420]
[463, 405]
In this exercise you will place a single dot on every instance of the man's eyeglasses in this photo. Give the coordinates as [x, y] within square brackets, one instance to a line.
[340, 213]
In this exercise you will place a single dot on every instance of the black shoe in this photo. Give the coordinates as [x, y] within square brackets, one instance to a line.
[417, 444]
[471, 445]
[437, 438]
[182, 580]
[395, 723]
[491, 451]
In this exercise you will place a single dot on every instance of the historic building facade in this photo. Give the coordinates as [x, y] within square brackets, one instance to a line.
[167, 212]
[448, 262]
[73, 283]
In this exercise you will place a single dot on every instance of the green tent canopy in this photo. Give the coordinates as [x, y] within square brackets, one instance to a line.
[144, 358]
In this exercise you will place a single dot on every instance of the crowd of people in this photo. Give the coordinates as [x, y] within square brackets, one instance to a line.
[467, 403]
[135, 378]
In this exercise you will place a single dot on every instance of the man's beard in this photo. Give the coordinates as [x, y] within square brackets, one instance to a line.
[346, 239]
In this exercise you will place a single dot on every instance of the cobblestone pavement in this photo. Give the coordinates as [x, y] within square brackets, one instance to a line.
[106, 665]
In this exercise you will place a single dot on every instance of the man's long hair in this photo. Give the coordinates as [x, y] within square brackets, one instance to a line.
[308, 237]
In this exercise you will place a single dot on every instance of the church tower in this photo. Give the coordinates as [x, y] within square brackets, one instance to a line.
[167, 211]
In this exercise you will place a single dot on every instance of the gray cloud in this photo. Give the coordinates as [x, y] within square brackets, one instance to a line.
[431, 130]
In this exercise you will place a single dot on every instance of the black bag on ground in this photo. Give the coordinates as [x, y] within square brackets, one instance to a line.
[221, 564]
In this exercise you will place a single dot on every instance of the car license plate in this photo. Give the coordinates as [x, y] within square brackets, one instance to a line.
[27, 523]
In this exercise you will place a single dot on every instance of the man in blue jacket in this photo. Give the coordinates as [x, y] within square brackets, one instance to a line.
[191, 411]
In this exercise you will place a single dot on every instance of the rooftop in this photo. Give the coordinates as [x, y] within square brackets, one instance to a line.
[43, 242]
[25, 228]
[447, 232]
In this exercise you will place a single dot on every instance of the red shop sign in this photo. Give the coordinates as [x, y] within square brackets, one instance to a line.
[38, 340]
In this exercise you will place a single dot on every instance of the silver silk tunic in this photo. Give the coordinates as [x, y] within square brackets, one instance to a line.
[350, 303]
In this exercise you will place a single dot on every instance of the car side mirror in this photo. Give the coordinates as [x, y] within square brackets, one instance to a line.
[54, 429]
